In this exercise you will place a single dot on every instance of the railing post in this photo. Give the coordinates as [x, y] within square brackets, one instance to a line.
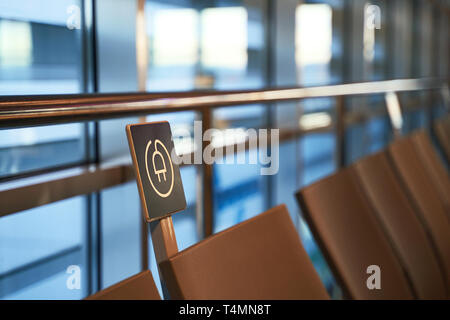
[394, 112]
[340, 132]
[164, 244]
[205, 183]
[445, 92]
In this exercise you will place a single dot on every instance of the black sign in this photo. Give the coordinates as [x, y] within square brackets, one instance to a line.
[158, 178]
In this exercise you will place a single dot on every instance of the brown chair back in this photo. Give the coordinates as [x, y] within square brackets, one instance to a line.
[380, 183]
[424, 195]
[436, 169]
[442, 131]
[261, 258]
[138, 287]
[351, 237]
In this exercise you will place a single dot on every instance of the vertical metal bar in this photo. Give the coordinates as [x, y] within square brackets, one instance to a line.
[270, 181]
[207, 180]
[142, 66]
[96, 207]
[88, 239]
[90, 84]
[198, 183]
[164, 244]
[98, 221]
[340, 127]
[144, 244]
[93, 261]
[271, 81]
[445, 93]
[394, 112]
[428, 108]
[141, 46]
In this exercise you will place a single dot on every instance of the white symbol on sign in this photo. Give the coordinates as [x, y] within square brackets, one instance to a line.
[159, 167]
[159, 154]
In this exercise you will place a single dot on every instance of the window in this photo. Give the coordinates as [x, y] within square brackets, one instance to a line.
[39, 54]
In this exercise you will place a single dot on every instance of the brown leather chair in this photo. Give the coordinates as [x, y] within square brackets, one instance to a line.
[424, 195]
[436, 169]
[138, 287]
[412, 245]
[442, 131]
[261, 258]
[351, 238]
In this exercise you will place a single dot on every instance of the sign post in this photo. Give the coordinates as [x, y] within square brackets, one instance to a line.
[159, 183]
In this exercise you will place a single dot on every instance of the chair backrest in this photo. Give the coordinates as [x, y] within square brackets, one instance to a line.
[436, 169]
[414, 248]
[261, 258]
[138, 287]
[442, 131]
[424, 195]
[351, 237]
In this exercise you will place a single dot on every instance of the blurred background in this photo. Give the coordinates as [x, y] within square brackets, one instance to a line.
[87, 46]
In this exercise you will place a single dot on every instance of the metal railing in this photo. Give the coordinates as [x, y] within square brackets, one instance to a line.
[20, 194]
[23, 111]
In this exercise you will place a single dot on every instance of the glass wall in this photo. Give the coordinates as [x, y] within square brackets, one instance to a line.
[41, 53]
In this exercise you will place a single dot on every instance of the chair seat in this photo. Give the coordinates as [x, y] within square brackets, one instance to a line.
[261, 258]
[442, 130]
[138, 287]
[423, 193]
[413, 246]
[351, 238]
[436, 169]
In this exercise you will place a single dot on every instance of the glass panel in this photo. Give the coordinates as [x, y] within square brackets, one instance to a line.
[121, 233]
[380, 133]
[40, 53]
[36, 248]
[27, 149]
[319, 54]
[317, 160]
[185, 222]
[413, 120]
[200, 45]
[317, 156]
[40, 47]
[240, 186]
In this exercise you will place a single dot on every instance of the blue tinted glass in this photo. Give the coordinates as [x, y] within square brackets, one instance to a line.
[197, 46]
[28, 149]
[239, 192]
[40, 47]
[40, 53]
[317, 161]
[318, 156]
[36, 248]
[379, 130]
[121, 220]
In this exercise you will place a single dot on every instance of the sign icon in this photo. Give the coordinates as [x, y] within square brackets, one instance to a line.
[157, 153]
[157, 176]
[159, 166]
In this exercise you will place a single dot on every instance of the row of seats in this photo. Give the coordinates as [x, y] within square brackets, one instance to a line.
[390, 209]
